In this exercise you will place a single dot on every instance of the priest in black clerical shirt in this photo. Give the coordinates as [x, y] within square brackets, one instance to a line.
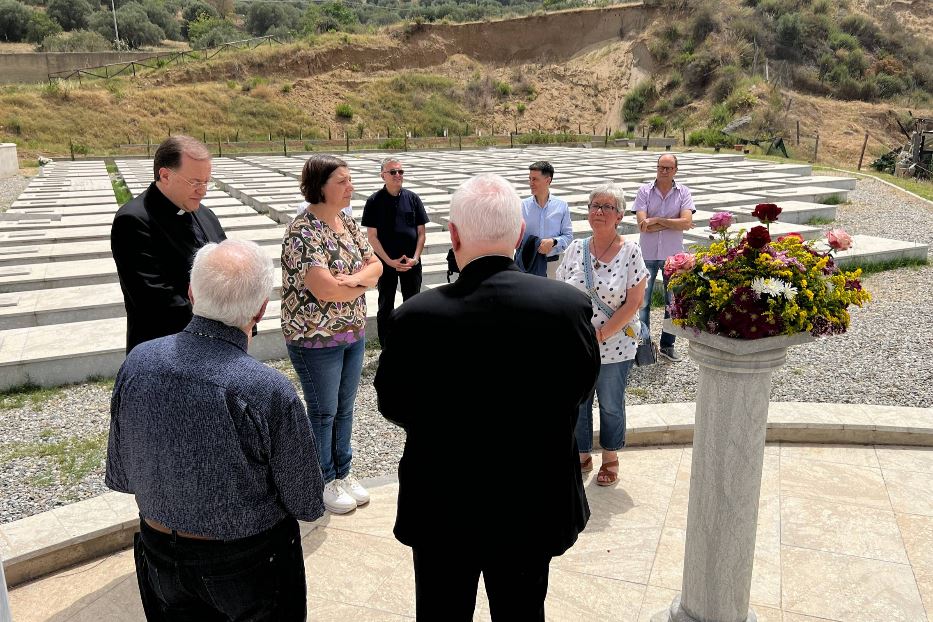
[155, 236]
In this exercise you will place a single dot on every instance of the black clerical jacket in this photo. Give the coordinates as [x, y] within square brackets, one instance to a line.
[486, 376]
[153, 247]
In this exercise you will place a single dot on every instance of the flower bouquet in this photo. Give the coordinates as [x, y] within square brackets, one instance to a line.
[748, 286]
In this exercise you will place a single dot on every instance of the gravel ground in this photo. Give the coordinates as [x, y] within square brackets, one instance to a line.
[884, 359]
[11, 188]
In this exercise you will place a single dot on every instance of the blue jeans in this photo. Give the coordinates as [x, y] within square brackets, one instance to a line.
[644, 314]
[610, 388]
[330, 378]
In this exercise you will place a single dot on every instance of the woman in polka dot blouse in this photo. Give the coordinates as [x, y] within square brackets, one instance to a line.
[610, 270]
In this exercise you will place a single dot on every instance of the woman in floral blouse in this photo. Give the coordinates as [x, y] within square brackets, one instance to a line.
[611, 271]
[327, 266]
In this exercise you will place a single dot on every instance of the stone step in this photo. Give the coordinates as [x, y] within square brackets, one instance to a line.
[56, 220]
[66, 353]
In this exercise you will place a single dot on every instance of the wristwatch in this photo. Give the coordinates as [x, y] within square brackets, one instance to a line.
[555, 242]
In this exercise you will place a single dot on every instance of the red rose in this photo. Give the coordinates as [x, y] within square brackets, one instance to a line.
[758, 237]
[767, 212]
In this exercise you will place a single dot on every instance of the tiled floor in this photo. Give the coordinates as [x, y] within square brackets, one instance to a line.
[844, 533]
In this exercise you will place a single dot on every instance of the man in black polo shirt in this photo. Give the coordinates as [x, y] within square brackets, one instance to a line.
[394, 218]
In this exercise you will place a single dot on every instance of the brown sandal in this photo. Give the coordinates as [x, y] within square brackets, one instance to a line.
[587, 465]
[605, 477]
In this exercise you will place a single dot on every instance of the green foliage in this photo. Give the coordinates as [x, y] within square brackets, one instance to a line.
[703, 23]
[841, 40]
[520, 108]
[740, 100]
[726, 79]
[657, 123]
[265, 16]
[70, 14]
[888, 85]
[74, 458]
[76, 41]
[14, 20]
[699, 71]
[41, 26]
[136, 30]
[862, 28]
[206, 32]
[344, 111]
[637, 100]
[502, 89]
[193, 11]
[720, 115]
[542, 138]
[163, 18]
[708, 137]
[392, 144]
[328, 16]
[789, 31]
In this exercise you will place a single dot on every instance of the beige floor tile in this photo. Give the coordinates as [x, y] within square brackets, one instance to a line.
[842, 483]
[396, 593]
[73, 589]
[656, 600]
[376, 518]
[676, 517]
[917, 532]
[634, 501]
[623, 553]
[766, 571]
[767, 614]
[919, 459]
[572, 596]
[349, 567]
[911, 491]
[796, 617]
[856, 455]
[120, 604]
[853, 589]
[659, 463]
[840, 528]
[667, 569]
[335, 611]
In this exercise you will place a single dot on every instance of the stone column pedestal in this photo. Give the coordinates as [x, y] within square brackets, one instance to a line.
[733, 392]
[9, 164]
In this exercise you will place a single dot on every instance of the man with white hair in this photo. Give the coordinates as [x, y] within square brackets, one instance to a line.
[218, 450]
[456, 509]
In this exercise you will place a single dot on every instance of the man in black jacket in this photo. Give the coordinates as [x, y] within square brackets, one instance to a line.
[465, 505]
[155, 236]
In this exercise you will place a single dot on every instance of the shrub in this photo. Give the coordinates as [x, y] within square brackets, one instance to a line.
[286, 88]
[41, 26]
[704, 22]
[708, 137]
[344, 111]
[888, 85]
[674, 79]
[164, 18]
[657, 123]
[502, 88]
[699, 71]
[719, 116]
[14, 20]
[263, 16]
[208, 32]
[637, 100]
[861, 27]
[70, 14]
[681, 99]
[789, 32]
[194, 11]
[856, 63]
[726, 79]
[520, 108]
[135, 28]
[841, 40]
[393, 144]
[740, 100]
[76, 41]
[821, 7]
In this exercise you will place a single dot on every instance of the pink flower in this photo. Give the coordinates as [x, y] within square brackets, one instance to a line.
[721, 221]
[838, 239]
[681, 262]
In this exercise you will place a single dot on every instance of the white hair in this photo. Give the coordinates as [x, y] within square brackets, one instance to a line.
[388, 160]
[230, 281]
[486, 208]
[616, 191]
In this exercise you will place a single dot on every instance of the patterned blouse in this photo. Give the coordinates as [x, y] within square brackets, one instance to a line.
[612, 281]
[310, 243]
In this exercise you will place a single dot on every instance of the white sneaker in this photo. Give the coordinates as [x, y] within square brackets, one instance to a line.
[354, 488]
[336, 499]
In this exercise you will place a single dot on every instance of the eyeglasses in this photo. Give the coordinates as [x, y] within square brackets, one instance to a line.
[197, 185]
[605, 207]
[395, 171]
[665, 169]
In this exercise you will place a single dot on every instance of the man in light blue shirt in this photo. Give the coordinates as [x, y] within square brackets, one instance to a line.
[546, 217]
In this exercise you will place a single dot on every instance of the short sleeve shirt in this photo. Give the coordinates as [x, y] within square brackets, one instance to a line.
[396, 219]
[612, 281]
[310, 243]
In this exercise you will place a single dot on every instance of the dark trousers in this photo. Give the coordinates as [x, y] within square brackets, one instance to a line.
[261, 577]
[446, 582]
[388, 283]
